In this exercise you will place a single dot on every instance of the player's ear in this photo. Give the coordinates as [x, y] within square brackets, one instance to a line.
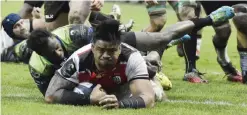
[120, 49]
[93, 46]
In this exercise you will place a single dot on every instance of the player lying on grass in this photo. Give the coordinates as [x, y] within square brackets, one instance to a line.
[97, 62]
[51, 49]
[19, 29]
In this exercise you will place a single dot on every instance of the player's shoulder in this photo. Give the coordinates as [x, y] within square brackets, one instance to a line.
[83, 50]
[80, 55]
[39, 63]
[126, 51]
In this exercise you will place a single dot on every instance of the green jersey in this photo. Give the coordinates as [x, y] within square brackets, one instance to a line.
[17, 53]
[71, 37]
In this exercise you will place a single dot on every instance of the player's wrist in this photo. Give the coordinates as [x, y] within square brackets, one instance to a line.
[132, 102]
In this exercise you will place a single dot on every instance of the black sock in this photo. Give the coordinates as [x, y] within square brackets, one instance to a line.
[189, 49]
[221, 50]
[201, 22]
[243, 63]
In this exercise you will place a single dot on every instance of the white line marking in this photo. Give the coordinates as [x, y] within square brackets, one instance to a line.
[208, 102]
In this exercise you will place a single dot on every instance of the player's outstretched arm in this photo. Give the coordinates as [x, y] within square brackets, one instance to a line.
[60, 91]
[62, 84]
[143, 96]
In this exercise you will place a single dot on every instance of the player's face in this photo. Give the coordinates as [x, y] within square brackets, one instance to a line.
[105, 54]
[54, 51]
[21, 28]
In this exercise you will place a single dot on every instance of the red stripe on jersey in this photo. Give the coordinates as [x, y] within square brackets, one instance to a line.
[108, 80]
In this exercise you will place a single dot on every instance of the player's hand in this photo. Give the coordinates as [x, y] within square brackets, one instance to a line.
[153, 59]
[97, 4]
[97, 93]
[109, 102]
[36, 13]
[151, 2]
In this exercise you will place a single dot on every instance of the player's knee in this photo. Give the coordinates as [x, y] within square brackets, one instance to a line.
[79, 11]
[75, 17]
[240, 8]
[158, 22]
[49, 99]
[223, 31]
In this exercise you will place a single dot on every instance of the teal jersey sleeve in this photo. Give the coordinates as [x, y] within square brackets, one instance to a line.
[17, 53]
[74, 36]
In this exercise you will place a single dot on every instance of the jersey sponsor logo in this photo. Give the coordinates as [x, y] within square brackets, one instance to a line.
[78, 34]
[72, 32]
[34, 73]
[50, 16]
[117, 79]
[68, 69]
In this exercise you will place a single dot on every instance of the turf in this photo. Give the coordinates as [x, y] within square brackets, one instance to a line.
[21, 97]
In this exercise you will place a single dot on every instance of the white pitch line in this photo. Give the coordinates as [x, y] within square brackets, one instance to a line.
[208, 102]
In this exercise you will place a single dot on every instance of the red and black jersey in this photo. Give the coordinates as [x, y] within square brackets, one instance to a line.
[80, 67]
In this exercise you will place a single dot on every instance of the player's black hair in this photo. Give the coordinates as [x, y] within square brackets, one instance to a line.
[38, 39]
[108, 31]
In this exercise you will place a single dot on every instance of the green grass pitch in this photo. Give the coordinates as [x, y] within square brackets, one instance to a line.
[19, 95]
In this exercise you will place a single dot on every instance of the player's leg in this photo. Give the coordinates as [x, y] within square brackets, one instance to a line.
[157, 15]
[220, 39]
[56, 14]
[154, 65]
[240, 22]
[187, 10]
[79, 11]
[146, 41]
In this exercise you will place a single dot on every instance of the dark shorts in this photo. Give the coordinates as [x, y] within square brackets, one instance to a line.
[210, 6]
[54, 8]
[34, 3]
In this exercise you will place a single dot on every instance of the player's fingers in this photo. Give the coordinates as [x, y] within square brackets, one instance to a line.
[105, 97]
[95, 2]
[109, 96]
[105, 101]
[98, 86]
[110, 106]
[108, 100]
[98, 6]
